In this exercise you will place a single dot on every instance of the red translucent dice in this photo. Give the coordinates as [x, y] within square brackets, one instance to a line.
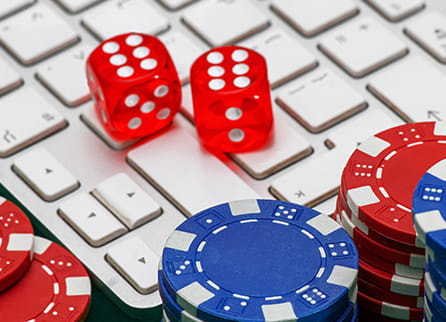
[134, 84]
[231, 98]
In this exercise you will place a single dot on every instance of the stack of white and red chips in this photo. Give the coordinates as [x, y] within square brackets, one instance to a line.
[375, 207]
[39, 280]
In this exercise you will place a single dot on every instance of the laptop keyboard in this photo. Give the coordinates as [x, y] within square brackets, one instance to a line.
[338, 75]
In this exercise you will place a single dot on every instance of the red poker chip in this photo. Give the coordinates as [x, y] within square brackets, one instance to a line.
[382, 173]
[374, 247]
[16, 243]
[388, 296]
[56, 287]
[388, 266]
[389, 310]
[374, 235]
[391, 282]
[368, 316]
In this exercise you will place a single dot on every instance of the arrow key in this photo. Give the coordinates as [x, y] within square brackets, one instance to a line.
[136, 262]
[127, 200]
[44, 174]
[91, 220]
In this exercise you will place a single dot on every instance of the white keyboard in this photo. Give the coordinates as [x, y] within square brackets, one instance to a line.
[338, 76]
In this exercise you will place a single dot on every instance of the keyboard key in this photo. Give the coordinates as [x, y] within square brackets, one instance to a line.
[45, 175]
[117, 17]
[430, 32]
[74, 6]
[36, 33]
[65, 76]
[137, 263]
[315, 16]
[128, 201]
[362, 46]
[198, 182]
[313, 181]
[283, 65]
[10, 6]
[26, 118]
[175, 4]
[327, 207]
[320, 100]
[90, 118]
[396, 10]
[9, 78]
[240, 19]
[286, 147]
[360, 128]
[414, 89]
[183, 51]
[91, 220]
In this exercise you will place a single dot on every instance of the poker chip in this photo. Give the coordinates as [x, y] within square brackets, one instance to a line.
[388, 296]
[389, 310]
[429, 208]
[430, 315]
[436, 296]
[438, 259]
[363, 241]
[56, 287]
[175, 312]
[392, 282]
[243, 260]
[16, 243]
[437, 274]
[382, 173]
[369, 316]
[374, 235]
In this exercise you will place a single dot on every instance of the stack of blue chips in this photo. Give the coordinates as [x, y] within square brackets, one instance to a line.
[259, 260]
[429, 214]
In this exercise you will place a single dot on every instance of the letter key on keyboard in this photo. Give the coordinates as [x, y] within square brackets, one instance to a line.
[36, 33]
[26, 118]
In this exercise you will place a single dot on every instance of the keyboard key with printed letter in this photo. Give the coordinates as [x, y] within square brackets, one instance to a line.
[362, 46]
[314, 181]
[36, 33]
[320, 100]
[27, 117]
[64, 76]
[429, 31]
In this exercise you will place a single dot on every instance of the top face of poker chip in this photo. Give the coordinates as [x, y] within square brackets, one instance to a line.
[256, 260]
[55, 288]
[16, 243]
[429, 207]
[382, 173]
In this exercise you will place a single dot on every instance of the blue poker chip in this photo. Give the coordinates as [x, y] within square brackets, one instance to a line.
[260, 260]
[437, 258]
[355, 314]
[175, 312]
[429, 208]
[434, 292]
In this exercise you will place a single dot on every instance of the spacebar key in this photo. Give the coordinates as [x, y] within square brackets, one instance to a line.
[186, 174]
